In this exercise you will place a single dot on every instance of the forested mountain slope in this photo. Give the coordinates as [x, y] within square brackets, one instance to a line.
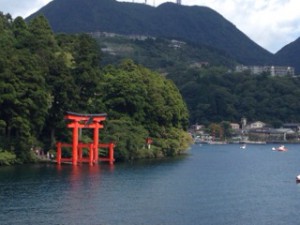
[289, 55]
[159, 54]
[199, 25]
[213, 92]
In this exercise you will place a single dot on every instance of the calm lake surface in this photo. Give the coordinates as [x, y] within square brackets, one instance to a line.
[213, 184]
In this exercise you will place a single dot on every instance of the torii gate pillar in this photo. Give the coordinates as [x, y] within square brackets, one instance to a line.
[75, 144]
[92, 121]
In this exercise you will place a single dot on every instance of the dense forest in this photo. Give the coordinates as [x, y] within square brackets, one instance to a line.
[43, 75]
[215, 94]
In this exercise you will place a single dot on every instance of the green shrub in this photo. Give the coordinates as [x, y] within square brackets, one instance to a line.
[7, 158]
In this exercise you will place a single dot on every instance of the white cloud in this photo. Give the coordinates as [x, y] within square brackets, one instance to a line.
[21, 7]
[270, 23]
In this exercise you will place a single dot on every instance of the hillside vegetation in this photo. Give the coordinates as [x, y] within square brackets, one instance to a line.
[42, 76]
[289, 55]
[212, 92]
[160, 54]
[195, 24]
[215, 95]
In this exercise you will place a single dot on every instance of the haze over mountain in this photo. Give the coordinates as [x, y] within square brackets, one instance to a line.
[194, 24]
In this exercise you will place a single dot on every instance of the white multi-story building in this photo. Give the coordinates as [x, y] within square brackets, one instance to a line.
[272, 70]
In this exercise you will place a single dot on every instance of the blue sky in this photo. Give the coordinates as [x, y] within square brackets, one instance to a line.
[270, 23]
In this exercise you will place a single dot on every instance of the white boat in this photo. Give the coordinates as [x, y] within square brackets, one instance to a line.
[282, 148]
[298, 178]
[243, 146]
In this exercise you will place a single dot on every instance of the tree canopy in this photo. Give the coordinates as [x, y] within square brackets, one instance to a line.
[215, 95]
[43, 75]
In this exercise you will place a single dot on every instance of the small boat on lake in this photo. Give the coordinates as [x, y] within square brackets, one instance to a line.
[243, 146]
[298, 178]
[281, 148]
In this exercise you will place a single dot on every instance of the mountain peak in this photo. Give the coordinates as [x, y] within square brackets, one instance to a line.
[195, 24]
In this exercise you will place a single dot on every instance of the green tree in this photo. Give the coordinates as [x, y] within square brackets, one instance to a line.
[149, 102]
[86, 71]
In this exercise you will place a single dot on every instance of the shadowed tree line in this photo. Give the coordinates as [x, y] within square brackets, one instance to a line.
[214, 95]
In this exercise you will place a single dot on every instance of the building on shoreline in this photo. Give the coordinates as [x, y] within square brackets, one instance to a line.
[254, 132]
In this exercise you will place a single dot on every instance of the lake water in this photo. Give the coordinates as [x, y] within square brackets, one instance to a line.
[213, 184]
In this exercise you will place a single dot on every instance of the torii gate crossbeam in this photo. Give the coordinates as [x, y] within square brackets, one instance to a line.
[90, 121]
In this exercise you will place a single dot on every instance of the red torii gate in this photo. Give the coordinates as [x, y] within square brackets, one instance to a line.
[92, 121]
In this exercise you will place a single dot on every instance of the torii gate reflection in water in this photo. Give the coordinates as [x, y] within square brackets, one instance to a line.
[79, 121]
